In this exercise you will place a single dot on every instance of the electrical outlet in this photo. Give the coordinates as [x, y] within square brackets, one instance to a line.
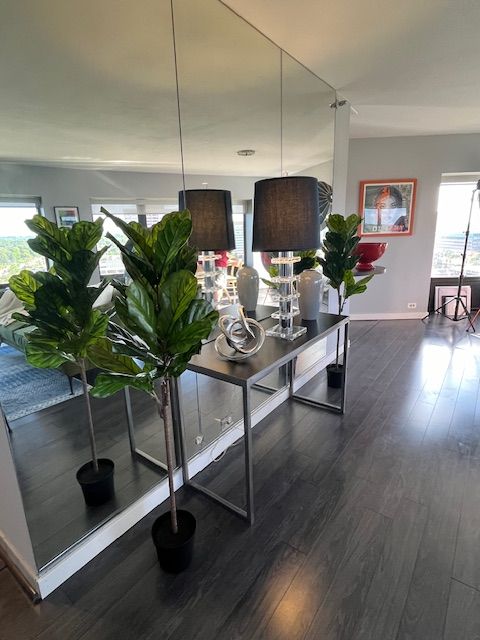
[412, 305]
[225, 422]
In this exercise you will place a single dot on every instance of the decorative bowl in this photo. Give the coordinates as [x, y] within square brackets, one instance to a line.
[369, 252]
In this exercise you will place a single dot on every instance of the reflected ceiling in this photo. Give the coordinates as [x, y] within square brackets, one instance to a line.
[92, 85]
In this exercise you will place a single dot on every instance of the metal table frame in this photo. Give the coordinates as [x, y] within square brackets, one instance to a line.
[139, 453]
[247, 385]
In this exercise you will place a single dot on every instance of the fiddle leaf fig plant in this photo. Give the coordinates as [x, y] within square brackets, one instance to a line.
[338, 260]
[59, 303]
[162, 319]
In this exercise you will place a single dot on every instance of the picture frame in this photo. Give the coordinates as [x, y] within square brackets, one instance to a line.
[66, 217]
[387, 207]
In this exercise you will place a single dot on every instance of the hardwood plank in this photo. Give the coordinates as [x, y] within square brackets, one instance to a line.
[254, 609]
[19, 619]
[463, 615]
[305, 595]
[388, 590]
[342, 607]
[467, 558]
[441, 488]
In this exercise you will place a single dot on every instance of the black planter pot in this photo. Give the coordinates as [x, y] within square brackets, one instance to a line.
[174, 551]
[98, 487]
[335, 375]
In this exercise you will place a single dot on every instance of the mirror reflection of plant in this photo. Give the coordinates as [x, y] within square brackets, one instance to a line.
[338, 260]
[163, 319]
[59, 303]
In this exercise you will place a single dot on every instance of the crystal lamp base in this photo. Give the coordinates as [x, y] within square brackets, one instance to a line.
[287, 334]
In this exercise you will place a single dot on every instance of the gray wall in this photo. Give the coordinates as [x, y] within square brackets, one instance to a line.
[408, 259]
[75, 187]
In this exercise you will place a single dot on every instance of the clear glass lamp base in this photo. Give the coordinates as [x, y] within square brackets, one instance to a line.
[280, 332]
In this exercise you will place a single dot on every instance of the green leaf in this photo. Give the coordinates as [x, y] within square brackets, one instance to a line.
[141, 308]
[43, 357]
[102, 355]
[24, 286]
[84, 235]
[353, 287]
[352, 222]
[44, 228]
[171, 236]
[45, 247]
[106, 384]
[97, 325]
[176, 295]
[189, 336]
[139, 238]
[336, 223]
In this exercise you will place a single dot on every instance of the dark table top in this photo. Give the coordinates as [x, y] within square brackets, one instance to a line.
[274, 353]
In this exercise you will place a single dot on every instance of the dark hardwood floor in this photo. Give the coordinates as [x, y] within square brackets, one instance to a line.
[368, 524]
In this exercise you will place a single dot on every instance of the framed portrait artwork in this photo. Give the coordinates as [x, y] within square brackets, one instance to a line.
[387, 207]
[66, 216]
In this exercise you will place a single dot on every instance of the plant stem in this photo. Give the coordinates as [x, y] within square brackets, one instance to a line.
[340, 309]
[91, 432]
[164, 413]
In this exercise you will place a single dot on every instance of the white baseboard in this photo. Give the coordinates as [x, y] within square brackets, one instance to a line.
[21, 571]
[72, 560]
[415, 315]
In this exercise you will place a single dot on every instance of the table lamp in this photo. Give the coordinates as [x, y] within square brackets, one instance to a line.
[286, 218]
[212, 229]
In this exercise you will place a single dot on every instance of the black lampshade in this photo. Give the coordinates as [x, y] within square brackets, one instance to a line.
[212, 223]
[286, 215]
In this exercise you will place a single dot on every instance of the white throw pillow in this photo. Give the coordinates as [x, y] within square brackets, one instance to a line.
[105, 297]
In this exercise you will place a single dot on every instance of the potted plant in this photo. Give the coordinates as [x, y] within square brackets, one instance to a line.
[163, 321]
[59, 305]
[338, 263]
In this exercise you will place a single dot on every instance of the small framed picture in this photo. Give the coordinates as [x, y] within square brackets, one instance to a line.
[387, 207]
[66, 216]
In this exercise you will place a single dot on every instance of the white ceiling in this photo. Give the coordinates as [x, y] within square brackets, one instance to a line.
[92, 84]
[408, 67]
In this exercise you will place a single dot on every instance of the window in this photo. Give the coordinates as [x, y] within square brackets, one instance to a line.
[15, 254]
[452, 219]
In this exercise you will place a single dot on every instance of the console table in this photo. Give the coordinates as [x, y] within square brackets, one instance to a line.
[245, 374]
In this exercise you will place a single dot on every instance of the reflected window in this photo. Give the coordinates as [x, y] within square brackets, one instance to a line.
[148, 212]
[111, 263]
[15, 254]
[238, 215]
[145, 212]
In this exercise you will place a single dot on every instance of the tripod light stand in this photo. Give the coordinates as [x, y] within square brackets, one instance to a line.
[458, 298]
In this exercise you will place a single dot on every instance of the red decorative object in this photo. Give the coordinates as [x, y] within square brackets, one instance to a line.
[369, 252]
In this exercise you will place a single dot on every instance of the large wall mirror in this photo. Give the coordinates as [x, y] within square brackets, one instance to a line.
[93, 121]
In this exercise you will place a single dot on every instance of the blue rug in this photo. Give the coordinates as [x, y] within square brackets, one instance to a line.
[25, 389]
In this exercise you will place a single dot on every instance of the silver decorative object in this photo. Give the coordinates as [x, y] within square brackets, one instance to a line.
[241, 337]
